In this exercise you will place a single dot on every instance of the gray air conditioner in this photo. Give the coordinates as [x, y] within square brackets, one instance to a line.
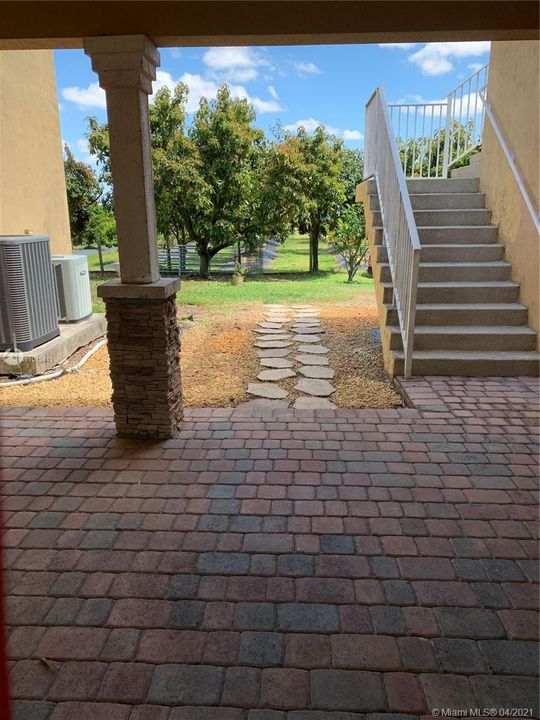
[27, 296]
[73, 297]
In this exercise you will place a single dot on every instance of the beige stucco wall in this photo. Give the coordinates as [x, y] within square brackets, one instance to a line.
[513, 94]
[32, 183]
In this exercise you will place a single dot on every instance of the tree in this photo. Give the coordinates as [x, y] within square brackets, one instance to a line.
[352, 172]
[101, 226]
[316, 164]
[424, 156]
[209, 178]
[349, 239]
[83, 192]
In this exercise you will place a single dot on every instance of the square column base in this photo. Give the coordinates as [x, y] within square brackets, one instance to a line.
[144, 351]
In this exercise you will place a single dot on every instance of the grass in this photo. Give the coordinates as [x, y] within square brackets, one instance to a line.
[108, 258]
[329, 285]
[293, 256]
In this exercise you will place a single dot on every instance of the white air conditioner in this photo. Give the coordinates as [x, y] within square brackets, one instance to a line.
[73, 297]
[27, 313]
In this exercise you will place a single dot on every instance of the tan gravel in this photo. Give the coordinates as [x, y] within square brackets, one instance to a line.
[219, 360]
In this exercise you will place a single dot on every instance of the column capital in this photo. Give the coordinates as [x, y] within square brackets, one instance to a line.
[123, 61]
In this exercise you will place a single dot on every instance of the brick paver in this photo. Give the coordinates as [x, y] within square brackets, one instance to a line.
[292, 565]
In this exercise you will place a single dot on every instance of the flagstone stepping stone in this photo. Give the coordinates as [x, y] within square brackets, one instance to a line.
[316, 349]
[272, 306]
[270, 325]
[307, 330]
[314, 387]
[313, 403]
[308, 338]
[269, 331]
[279, 319]
[273, 344]
[317, 371]
[303, 307]
[275, 375]
[275, 362]
[306, 314]
[273, 353]
[267, 390]
[274, 338]
[306, 322]
[311, 359]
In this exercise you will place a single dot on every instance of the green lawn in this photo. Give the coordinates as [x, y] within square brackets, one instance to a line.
[329, 285]
[293, 256]
[108, 257]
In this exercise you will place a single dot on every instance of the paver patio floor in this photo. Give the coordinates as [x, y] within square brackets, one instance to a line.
[302, 565]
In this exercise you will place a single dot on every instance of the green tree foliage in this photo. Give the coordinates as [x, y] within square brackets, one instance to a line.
[215, 182]
[101, 226]
[349, 238]
[423, 157]
[83, 192]
[352, 172]
[315, 166]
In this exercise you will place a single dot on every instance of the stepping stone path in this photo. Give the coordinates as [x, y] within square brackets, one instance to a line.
[296, 331]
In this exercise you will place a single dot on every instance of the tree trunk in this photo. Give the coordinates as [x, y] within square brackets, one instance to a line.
[204, 265]
[351, 273]
[314, 249]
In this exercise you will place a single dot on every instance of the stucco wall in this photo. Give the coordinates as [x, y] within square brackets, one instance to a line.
[513, 94]
[32, 183]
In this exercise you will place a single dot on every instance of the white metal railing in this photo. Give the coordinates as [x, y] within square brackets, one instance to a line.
[434, 136]
[511, 160]
[382, 161]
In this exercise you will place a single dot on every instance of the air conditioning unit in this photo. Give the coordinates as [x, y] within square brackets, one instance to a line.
[73, 297]
[27, 297]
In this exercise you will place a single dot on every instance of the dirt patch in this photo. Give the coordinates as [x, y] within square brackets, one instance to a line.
[218, 360]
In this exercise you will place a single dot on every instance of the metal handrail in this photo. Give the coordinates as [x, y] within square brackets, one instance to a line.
[510, 159]
[400, 234]
[434, 136]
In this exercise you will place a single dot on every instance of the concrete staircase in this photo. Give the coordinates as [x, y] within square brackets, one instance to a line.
[469, 320]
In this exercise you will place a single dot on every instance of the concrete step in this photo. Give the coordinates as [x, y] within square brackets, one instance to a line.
[441, 201]
[444, 217]
[459, 314]
[443, 185]
[468, 337]
[471, 363]
[451, 253]
[457, 234]
[454, 234]
[462, 292]
[430, 272]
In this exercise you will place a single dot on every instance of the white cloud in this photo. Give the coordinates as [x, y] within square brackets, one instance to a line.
[352, 135]
[82, 146]
[402, 46]
[175, 52]
[436, 58]
[241, 74]
[310, 125]
[224, 58]
[200, 87]
[273, 92]
[306, 68]
[90, 97]
[475, 67]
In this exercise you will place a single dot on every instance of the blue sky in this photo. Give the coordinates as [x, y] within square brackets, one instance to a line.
[298, 85]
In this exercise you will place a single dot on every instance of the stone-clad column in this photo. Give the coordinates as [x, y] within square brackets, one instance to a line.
[142, 330]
